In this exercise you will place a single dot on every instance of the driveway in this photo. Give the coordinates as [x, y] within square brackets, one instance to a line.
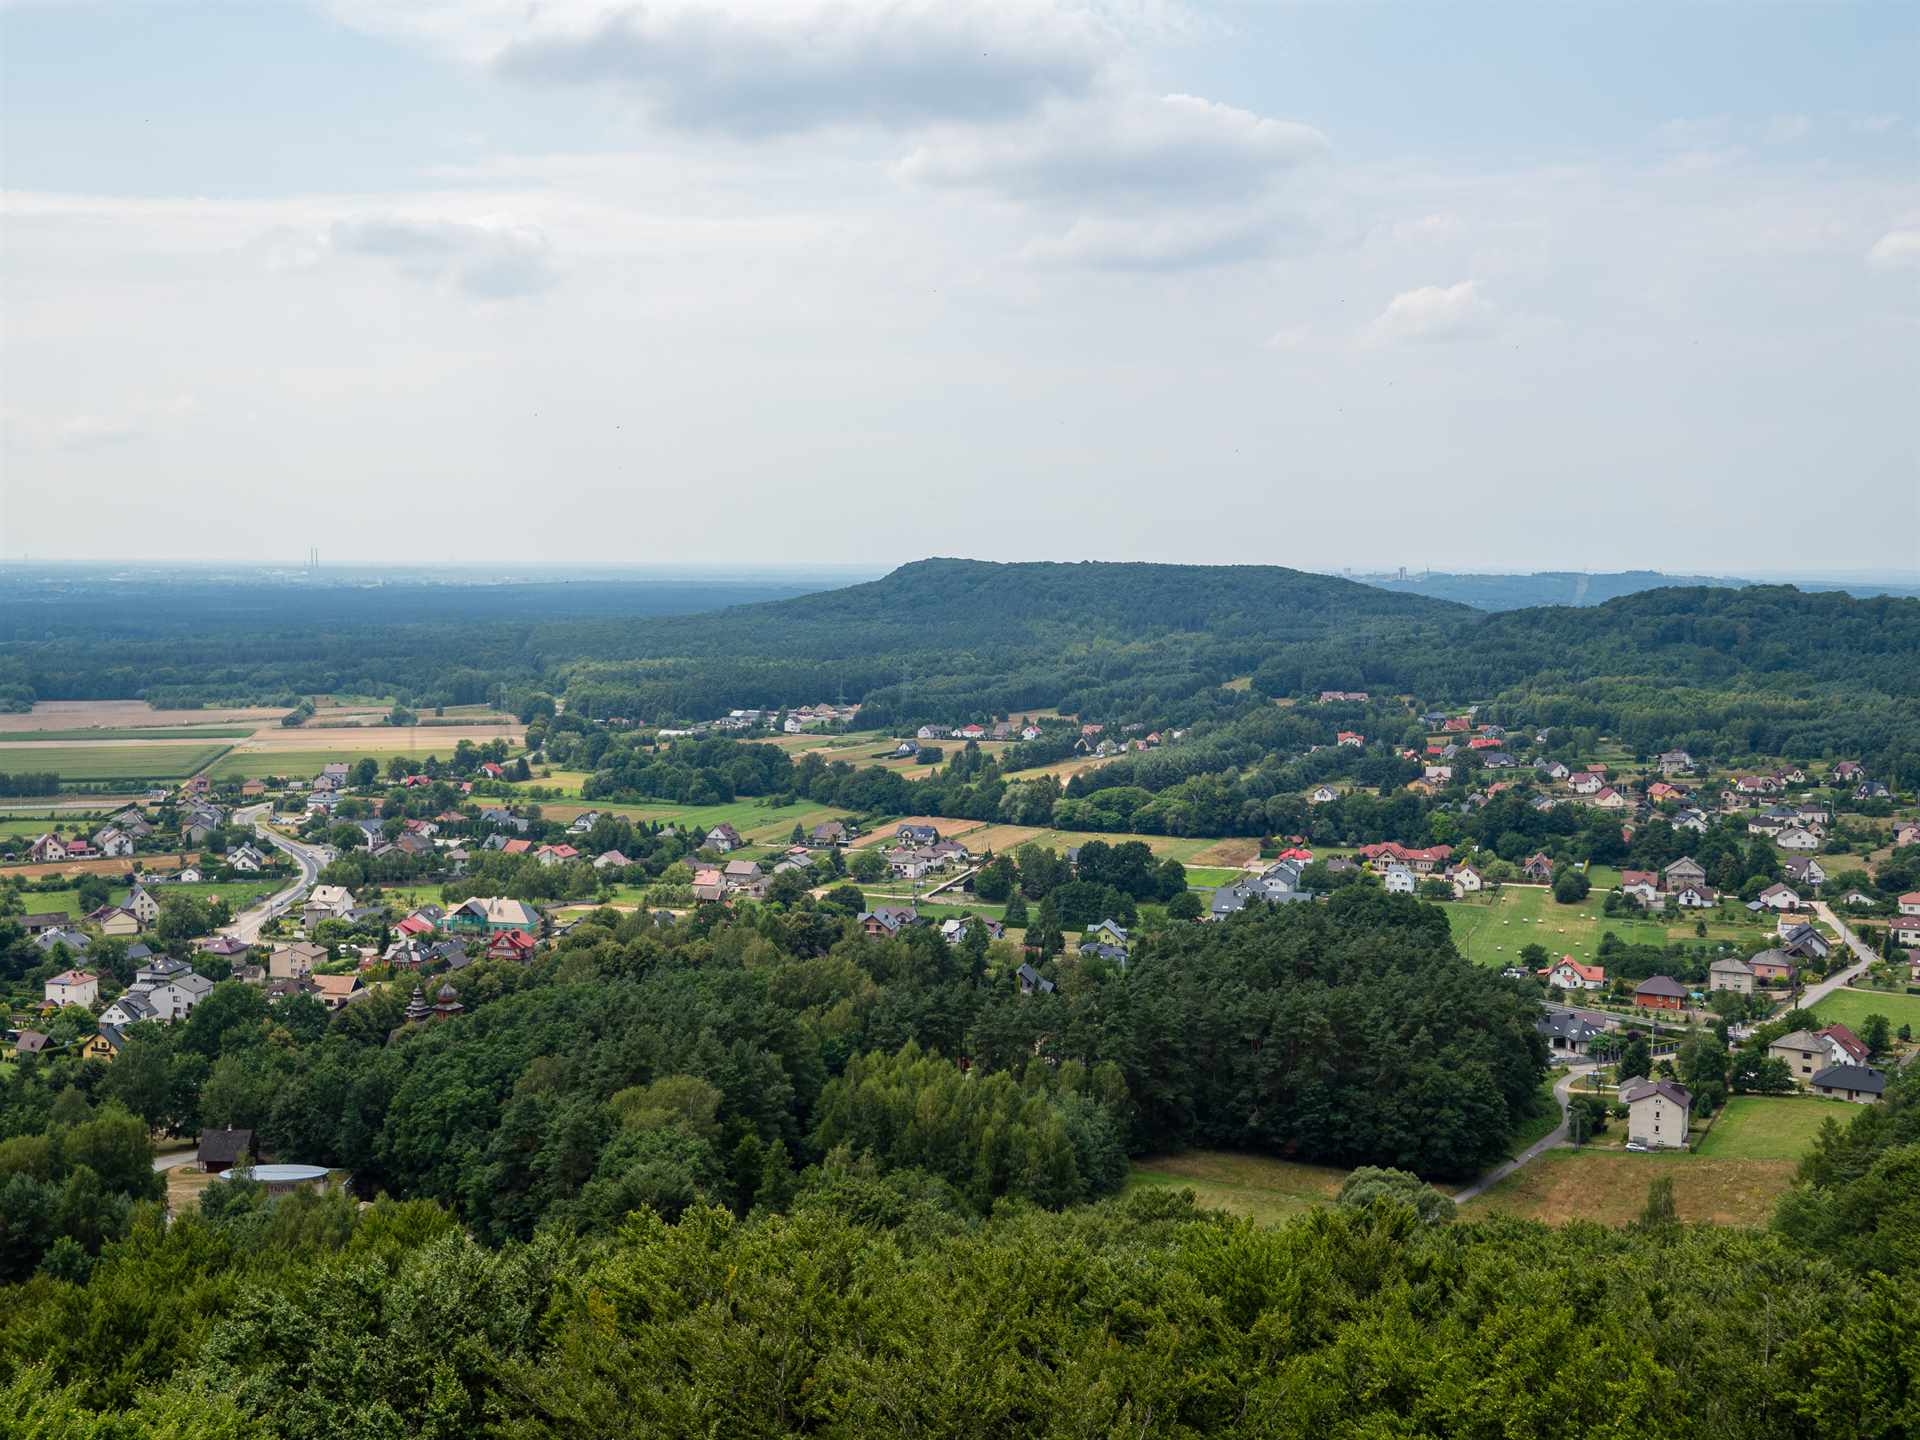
[1562, 1088]
[1862, 956]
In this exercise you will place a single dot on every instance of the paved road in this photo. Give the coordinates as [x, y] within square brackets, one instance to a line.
[175, 1160]
[248, 924]
[1562, 1088]
[1863, 957]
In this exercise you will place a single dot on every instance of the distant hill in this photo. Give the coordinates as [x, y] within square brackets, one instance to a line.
[1578, 587]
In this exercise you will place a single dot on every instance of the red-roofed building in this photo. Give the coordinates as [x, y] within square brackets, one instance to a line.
[517, 847]
[1570, 974]
[1351, 738]
[1483, 742]
[510, 945]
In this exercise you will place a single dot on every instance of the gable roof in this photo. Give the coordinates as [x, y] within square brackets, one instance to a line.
[1661, 985]
[1667, 1089]
[1848, 1042]
[224, 1147]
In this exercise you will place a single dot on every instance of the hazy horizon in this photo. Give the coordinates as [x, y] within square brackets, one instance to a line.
[1490, 288]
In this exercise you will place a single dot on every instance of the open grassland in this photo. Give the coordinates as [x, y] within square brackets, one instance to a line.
[89, 761]
[1610, 1186]
[1211, 877]
[1493, 929]
[235, 892]
[758, 823]
[1755, 1127]
[65, 821]
[110, 715]
[1064, 770]
[1264, 1190]
[1850, 1007]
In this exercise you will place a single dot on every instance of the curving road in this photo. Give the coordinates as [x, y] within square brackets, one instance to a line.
[1562, 1089]
[1863, 957]
[248, 924]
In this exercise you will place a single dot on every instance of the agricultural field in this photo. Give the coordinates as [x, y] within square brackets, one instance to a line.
[127, 715]
[1065, 770]
[104, 760]
[1851, 1007]
[1261, 1189]
[1755, 1127]
[1610, 1187]
[98, 736]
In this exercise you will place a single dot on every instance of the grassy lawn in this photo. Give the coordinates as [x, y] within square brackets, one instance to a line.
[1755, 1127]
[1493, 930]
[1610, 1186]
[761, 824]
[1255, 1186]
[156, 761]
[1851, 1007]
[1211, 877]
[65, 821]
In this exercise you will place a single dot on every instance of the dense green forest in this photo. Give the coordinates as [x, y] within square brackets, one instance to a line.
[1766, 669]
[756, 1174]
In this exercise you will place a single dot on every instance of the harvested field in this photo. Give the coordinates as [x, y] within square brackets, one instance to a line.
[383, 739]
[125, 715]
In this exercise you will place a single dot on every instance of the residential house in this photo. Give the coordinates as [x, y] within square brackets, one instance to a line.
[1466, 881]
[1684, 871]
[295, 960]
[1772, 967]
[73, 987]
[1806, 1052]
[1803, 942]
[1696, 897]
[916, 835]
[28, 1042]
[336, 992]
[1780, 897]
[490, 914]
[1322, 795]
[1585, 782]
[610, 860]
[1849, 770]
[173, 999]
[1860, 1084]
[1847, 1047]
[885, 921]
[1567, 1035]
[330, 901]
[114, 920]
[1643, 888]
[1909, 903]
[1805, 870]
[1552, 770]
[723, 837]
[43, 921]
[221, 1150]
[113, 843]
[1570, 974]
[584, 822]
[47, 850]
[1905, 930]
[1031, 980]
[1731, 974]
[1608, 798]
[105, 1044]
[1399, 880]
[1796, 838]
[829, 833]
[75, 942]
[510, 945]
[1660, 992]
[556, 854]
[1538, 869]
[1658, 1114]
[1906, 833]
[1675, 762]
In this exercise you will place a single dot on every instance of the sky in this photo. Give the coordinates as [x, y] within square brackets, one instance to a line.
[1339, 284]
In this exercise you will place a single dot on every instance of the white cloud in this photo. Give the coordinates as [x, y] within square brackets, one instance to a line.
[490, 259]
[1433, 313]
[1182, 241]
[1784, 129]
[1144, 148]
[1896, 250]
[753, 67]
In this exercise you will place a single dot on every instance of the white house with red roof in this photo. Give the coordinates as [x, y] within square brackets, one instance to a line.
[1569, 974]
[73, 987]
